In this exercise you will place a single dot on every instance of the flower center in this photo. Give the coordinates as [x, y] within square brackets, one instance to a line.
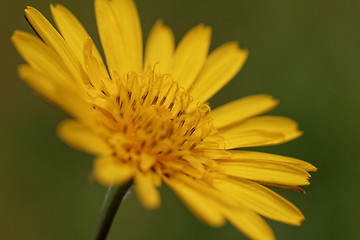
[150, 114]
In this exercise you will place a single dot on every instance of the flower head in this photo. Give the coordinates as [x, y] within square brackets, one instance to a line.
[149, 120]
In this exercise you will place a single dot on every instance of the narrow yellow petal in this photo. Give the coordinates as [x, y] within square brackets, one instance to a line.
[120, 34]
[250, 223]
[128, 23]
[160, 47]
[190, 55]
[75, 35]
[111, 38]
[208, 190]
[41, 57]
[241, 109]
[285, 187]
[261, 200]
[146, 161]
[40, 83]
[220, 67]
[183, 167]
[82, 138]
[251, 138]
[261, 131]
[263, 171]
[60, 94]
[216, 154]
[211, 206]
[249, 155]
[146, 190]
[156, 176]
[53, 39]
[93, 66]
[110, 171]
[195, 163]
[203, 207]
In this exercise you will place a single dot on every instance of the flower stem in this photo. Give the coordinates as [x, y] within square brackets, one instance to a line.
[111, 203]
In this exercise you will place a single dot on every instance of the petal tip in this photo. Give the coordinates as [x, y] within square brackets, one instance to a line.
[15, 36]
[55, 7]
[30, 9]
[159, 22]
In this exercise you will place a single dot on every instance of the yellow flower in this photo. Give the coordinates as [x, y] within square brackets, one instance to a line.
[148, 120]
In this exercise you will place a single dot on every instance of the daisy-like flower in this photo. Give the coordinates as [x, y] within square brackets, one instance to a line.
[148, 120]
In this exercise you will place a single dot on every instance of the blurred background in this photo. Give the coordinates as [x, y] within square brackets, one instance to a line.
[305, 53]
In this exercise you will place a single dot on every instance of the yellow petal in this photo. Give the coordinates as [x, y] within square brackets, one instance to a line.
[111, 37]
[40, 83]
[190, 55]
[182, 167]
[54, 40]
[82, 138]
[220, 67]
[41, 57]
[93, 66]
[261, 200]
[129, 24]
[261, 131]
[195, 163]
[146, 161]
[63, 96]
[160, 47]
[251, 138]
[156, 176]
[241, 109]
[249, 155]
[120, 35]
[75, 35]
[208, 190]
[202, 207]
[211, 206]
[250, 223]
[146, 190]
[109, 171]
[216, 153]
[285, 187]
[263, 171]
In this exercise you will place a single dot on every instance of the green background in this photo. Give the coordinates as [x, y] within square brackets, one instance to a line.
[305, 53]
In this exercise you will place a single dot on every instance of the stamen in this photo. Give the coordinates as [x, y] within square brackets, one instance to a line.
[133, 105]
[143, 98]
[154, 116]
[155, 100]
[162, 101]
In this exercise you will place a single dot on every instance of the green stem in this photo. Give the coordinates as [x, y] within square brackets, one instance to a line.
[111, 203]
